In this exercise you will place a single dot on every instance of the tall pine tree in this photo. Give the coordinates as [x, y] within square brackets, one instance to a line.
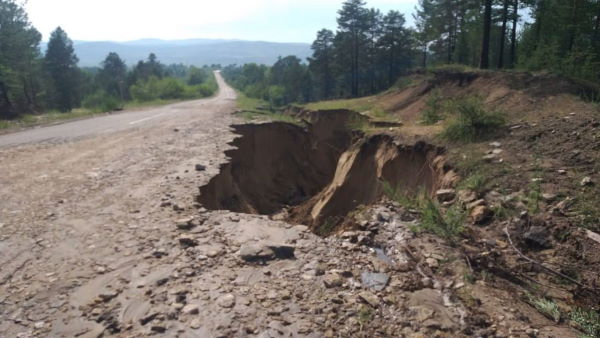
[61, 64]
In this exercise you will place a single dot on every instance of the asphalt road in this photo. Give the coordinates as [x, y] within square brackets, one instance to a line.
[117, 122]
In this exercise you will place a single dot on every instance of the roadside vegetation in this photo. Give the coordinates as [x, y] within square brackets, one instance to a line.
[471, 122]
[41, 86]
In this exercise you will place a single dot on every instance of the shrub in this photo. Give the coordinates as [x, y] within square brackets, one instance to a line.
[100, 101]
[433, 113]
[446, 225]
[472, 122]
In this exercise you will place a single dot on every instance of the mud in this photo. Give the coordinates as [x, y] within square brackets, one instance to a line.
[319, 173]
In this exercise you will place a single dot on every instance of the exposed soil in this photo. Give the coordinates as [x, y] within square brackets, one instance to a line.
[318, 174]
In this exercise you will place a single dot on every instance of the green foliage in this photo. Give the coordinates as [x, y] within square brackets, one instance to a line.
[471, 122]
[433, 112]
[547, 307]
[169, 88]
[101, 102]
[447, 225]
[397, 194]
[475, 182]
[587, 321]
[61, 64]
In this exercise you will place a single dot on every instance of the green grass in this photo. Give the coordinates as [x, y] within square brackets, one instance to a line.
[360, 105]
[588, 321]
[246, 103]
[397, 194]
[448, 225]
[547, 307]
[471, 122]
[475, 182]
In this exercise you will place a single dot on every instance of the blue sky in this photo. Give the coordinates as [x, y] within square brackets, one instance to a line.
[124, 20]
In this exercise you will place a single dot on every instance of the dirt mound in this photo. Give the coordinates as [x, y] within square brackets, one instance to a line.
[519, 95]
[323, 171]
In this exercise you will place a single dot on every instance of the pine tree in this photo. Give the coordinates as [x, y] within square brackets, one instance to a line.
[352, 26]
[321, 63]
[112, 75]
[20, 73]
[61, 64]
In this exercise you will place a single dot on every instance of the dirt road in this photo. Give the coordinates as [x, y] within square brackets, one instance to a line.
[88, 198]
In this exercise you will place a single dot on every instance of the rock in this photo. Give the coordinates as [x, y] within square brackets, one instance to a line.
[254, 252]
[549, 197]
[200, 167]
[191, 309]
[593, 236]
[333, 280]
[421, 313]
[185, 223]
[586, 181]
[561, 172]
[445, 195]
[108, 295]
[374, 281]
[432, 262]
[481, 214]
[475, 204]
[467, 196]
[187, 241]
[489, 157]
[158, 328]
[495, 144]
[538, 237]
[227, 301]
[497, 151]
[369, 298]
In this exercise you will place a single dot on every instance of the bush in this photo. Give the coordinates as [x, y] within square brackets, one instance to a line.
[472, 122]
[433, 220]
[100, 101]
[433, 113]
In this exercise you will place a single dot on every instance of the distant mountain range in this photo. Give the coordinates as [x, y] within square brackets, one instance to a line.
[196, 52]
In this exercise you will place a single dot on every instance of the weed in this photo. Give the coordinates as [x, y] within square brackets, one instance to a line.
[326, 227]
[587, 321]
[545, 306]
[357, 122]
[475, 182]
[433, 113]
[433, 220]
[534, 196]
[403, 83]
[586, 206]
[469, 278]
[401, 196]
[472, 122]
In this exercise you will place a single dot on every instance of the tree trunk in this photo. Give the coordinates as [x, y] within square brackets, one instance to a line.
[538, 24]
[573, 30]
[513, 39]
[503, 35]
[597, 24]
[484, 62]
[6, 108]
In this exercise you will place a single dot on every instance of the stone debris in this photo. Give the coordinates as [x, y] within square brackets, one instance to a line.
[374, 281]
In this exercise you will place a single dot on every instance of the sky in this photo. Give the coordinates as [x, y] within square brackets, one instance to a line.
[126, 20]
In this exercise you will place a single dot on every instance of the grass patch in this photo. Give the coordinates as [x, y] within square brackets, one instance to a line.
[448, 225]
[475, 182]
[399, 195]
[327, 227]
[547, 307]
[588, 321]
[588, 213]
[361, 104]
[471, 122]
[252, 109]
[246, 103]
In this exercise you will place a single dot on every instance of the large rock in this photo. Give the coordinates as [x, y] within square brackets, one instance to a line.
[369, 298]
[333, 280]
[374, 281]
[265, 252]
[445, 195]
[538, 237]
[481, 214]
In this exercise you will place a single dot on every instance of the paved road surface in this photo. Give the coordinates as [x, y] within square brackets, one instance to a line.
[118, 122]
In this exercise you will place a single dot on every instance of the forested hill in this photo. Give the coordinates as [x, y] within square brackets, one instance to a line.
[197, 52]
